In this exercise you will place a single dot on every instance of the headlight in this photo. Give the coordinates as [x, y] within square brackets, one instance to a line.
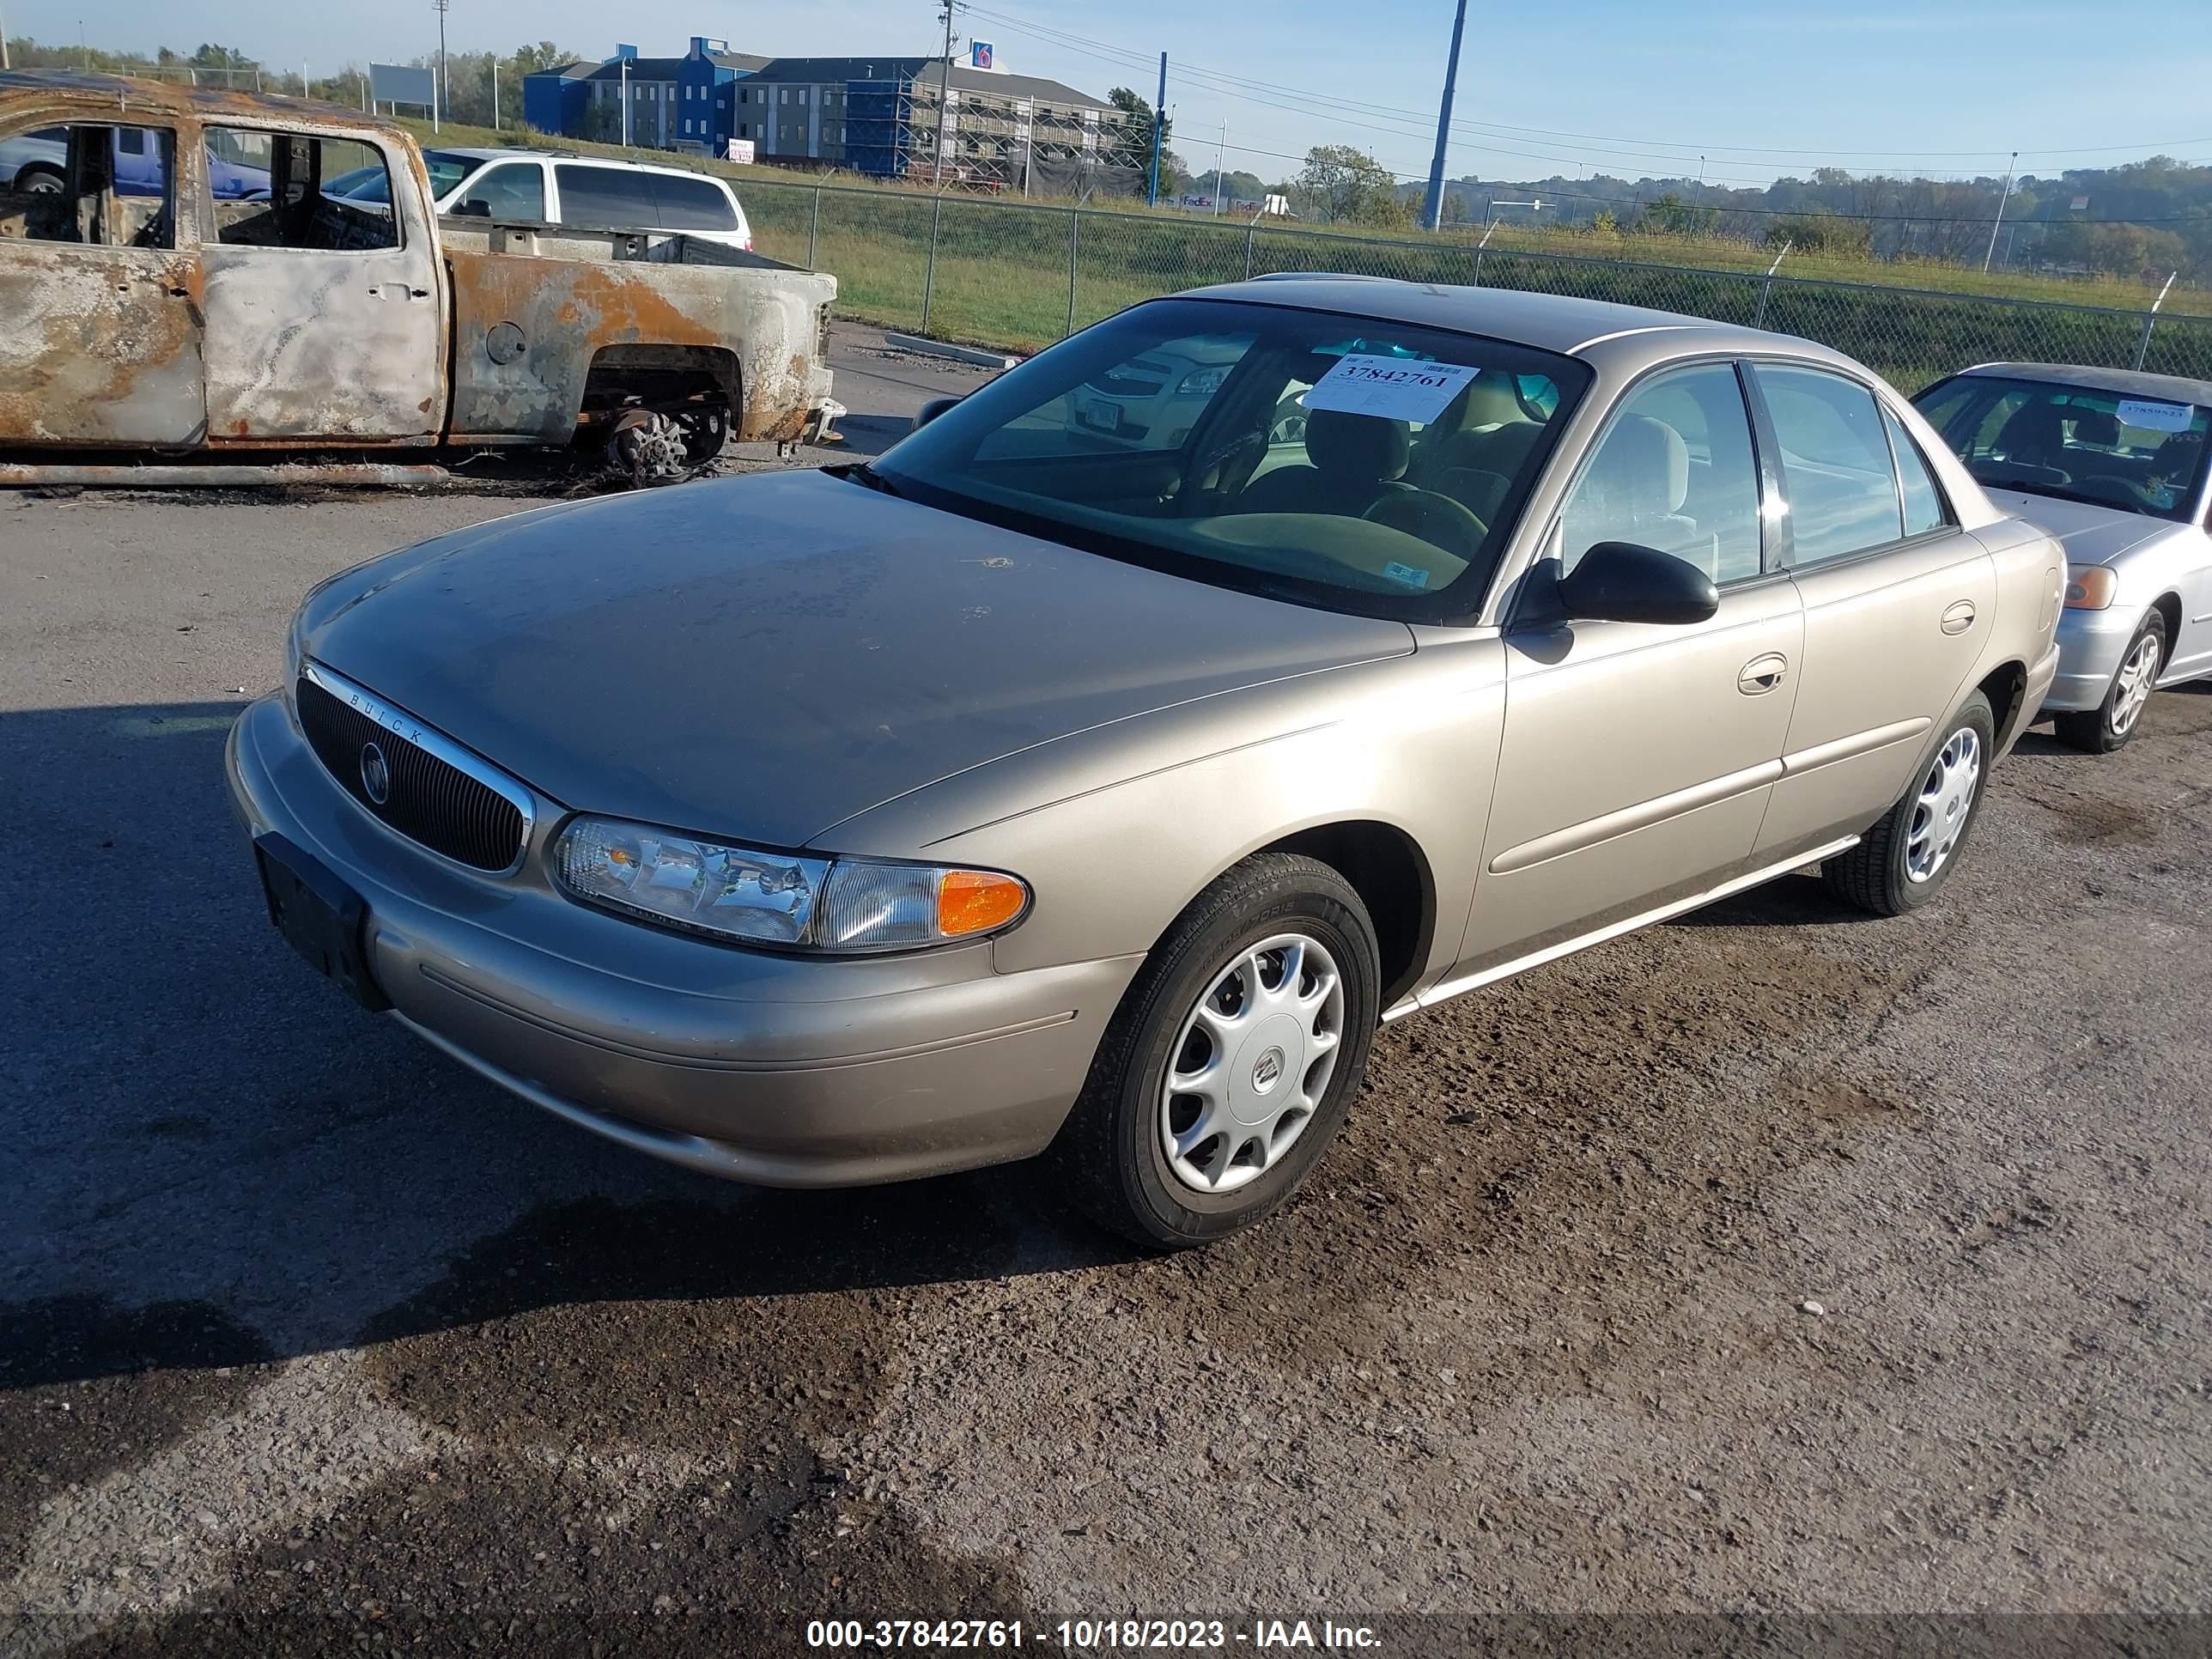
[809, 904]
[2090, 586]
[1201, 383]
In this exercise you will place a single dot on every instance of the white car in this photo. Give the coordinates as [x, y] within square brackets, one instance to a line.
[591, 194]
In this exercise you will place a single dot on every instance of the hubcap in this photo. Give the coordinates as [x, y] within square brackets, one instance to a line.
[1252, 1063]
[1946, 796]
[2132, 686]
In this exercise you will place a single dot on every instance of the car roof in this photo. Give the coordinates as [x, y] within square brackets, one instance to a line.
[630, 166]
[1550, 322]
[2128, 382]
[477, 152]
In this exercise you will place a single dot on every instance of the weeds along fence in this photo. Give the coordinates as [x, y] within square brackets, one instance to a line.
[1019, 276]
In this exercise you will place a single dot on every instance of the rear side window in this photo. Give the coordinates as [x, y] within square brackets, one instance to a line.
[692, 205]
[1836, 465]
[605, 198]
[98, 186]
[1923, 502]
[514, 190]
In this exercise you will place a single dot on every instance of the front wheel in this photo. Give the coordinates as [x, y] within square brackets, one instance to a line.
[2112, 722]
[1231, 1061]
[1902, 860]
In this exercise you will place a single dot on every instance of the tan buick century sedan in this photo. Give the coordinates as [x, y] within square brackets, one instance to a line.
[1093, 773]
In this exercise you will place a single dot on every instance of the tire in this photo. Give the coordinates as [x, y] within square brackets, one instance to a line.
[2110, 725]
[1883, 873]
[39, 179]
[1112, 1157]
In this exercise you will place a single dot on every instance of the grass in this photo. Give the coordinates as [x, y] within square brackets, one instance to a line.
[1001, 276]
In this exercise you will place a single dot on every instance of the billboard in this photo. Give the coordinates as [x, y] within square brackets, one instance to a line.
[979, 54]
[396, 83]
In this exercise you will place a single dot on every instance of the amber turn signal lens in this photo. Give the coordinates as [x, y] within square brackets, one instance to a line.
[976, 901]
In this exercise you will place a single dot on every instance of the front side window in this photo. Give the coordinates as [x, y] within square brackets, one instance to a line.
[1364, 465]
[95, 185]
[1837, 471]
[2142, 453]
[515, 190]
[1674, 472]
[322, 194]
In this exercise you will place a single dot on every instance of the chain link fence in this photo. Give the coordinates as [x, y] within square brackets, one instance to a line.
[1020, 275]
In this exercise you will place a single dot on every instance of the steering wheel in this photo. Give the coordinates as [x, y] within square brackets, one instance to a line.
[1437, 520]
[2111, 481]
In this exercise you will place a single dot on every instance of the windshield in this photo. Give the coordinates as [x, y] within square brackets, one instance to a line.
[2143, 455]
[374, 184]
[1368, 466]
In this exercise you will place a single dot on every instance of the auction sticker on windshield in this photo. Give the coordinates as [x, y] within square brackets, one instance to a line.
[2147, 416]
[1389, 387]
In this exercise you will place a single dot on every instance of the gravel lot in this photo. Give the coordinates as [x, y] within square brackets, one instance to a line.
[311, 1341]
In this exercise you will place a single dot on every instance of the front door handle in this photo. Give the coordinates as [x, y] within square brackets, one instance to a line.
[1762, 674]
[1959, 618]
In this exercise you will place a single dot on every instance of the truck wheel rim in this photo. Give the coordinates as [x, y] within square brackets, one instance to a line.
[1946, 799]
[1252, 1063]
[2132, 689]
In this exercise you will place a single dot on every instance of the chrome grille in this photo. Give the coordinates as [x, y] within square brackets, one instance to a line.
[435, 793]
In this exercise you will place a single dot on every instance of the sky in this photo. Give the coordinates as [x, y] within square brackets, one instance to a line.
[1743, 91]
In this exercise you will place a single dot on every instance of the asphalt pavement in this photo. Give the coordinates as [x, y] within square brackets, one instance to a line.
[312, 1341]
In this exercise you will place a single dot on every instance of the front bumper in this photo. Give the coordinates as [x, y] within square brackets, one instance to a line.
[780, 1070]
[2091, 644]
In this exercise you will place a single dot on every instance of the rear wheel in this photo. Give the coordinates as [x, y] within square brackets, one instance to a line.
[1232, 1060]
[2107, 727]
[39, 179]
[1901, 861]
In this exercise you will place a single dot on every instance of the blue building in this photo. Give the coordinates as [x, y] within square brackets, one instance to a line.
[656, 103]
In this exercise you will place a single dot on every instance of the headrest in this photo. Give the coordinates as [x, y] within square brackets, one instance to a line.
[2093, 426]
[1365, 448]
[1648, 464]
[2033, 428]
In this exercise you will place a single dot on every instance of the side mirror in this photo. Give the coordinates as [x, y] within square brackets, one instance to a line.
[1621, 581]
[931, 409]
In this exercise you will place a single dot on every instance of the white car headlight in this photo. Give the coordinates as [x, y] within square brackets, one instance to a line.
[832, 905]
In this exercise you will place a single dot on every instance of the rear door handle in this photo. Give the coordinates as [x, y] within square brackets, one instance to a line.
[1959, 618]
[1762, 674]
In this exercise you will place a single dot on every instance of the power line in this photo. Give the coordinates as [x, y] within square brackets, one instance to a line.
[1272, 92]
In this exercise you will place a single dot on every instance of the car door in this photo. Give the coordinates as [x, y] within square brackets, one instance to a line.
[100, 334]
[1898, 601]
[325, 317]
[1637, 757]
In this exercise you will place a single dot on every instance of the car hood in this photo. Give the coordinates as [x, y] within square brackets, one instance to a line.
[2091, 534]
[764, 657]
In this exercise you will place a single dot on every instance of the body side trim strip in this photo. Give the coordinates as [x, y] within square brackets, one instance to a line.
[1628, 819]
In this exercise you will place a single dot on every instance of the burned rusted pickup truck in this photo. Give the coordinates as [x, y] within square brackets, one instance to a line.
[139, 312]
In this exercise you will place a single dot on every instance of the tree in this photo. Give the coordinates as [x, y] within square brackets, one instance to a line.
[1140, 116]
[1340, 182]
[2114, 249]
[1821, 232]
[1673, 216]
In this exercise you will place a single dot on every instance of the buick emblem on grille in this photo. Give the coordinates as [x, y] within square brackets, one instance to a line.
[375, 775]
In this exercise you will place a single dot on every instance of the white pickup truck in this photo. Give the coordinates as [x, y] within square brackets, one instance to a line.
[173, 320]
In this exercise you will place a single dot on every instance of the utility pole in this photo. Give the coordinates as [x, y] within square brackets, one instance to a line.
[1991, 252]
[625, 101]
[495, 92]
[1217, 166]
[1159, 120]
[943, 96]
[3, 41]
[1432, 209]
[444, 89]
